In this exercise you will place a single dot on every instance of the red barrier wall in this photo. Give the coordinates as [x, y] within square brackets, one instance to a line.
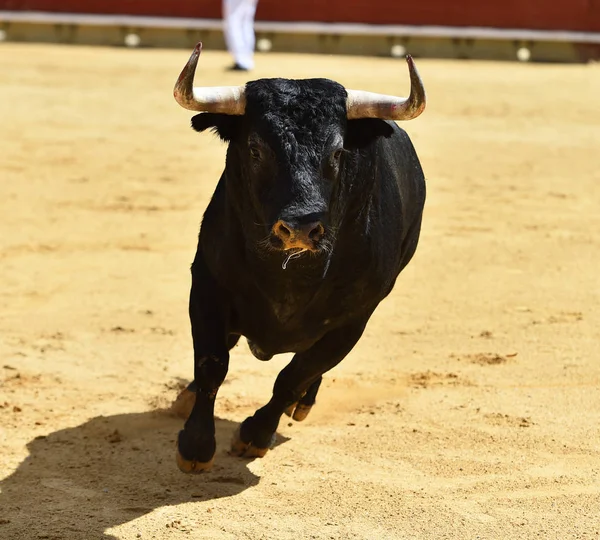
[583, 15]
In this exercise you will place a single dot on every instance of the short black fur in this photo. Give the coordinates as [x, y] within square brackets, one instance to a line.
[358, 188]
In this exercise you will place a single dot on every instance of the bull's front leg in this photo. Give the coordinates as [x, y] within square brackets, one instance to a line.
[196, 443]
[257, 433]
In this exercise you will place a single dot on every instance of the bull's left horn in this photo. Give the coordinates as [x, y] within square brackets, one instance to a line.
[215, 99]
[370, 105]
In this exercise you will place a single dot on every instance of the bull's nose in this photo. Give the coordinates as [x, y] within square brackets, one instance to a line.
[303, 236]
[314, 230]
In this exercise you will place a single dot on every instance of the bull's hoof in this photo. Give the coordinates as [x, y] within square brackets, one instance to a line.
[247, 449]
[192, 466]
[298, 411]
[301, 412]
[195, 454]
[184, 403]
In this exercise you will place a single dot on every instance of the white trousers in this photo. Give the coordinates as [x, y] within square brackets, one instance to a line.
[238, 19]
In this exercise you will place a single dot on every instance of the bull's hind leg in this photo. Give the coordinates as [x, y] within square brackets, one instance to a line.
[303, 374]
[299, 411]
[196, 443]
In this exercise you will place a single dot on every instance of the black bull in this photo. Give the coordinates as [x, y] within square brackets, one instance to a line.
[314, 217]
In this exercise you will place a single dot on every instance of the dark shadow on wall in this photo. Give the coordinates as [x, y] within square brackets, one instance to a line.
[78, 482]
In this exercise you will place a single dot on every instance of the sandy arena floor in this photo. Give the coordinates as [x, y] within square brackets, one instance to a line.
[471, 407]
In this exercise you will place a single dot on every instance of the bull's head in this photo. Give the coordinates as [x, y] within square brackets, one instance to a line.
[289, 143]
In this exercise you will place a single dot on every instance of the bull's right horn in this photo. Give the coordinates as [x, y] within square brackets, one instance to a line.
[215, 99]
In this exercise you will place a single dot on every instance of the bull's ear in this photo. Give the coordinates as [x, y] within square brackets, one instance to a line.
[224, 125]
[363, 131]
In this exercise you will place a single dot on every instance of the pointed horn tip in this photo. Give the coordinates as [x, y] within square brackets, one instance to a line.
[196, 53]
[194, 56]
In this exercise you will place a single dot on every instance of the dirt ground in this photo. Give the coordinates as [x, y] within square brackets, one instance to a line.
[471, 407]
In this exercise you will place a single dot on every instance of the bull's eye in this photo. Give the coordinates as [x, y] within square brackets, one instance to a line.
[255, 152]
[337, 155]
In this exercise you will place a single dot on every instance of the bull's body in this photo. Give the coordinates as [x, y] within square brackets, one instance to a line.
[290, 310]
[294, 158]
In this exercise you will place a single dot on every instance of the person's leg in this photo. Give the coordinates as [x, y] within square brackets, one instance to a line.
[248, 36]
[228, 30]
[234, 18]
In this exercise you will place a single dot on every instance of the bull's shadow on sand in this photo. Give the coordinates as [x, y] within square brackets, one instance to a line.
[80, 481]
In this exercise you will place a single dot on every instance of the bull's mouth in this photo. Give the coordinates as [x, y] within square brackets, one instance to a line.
[288, 243]
[292, 253]
[295, 244]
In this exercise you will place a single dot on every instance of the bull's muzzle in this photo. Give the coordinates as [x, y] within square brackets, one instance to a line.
[290, 235]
